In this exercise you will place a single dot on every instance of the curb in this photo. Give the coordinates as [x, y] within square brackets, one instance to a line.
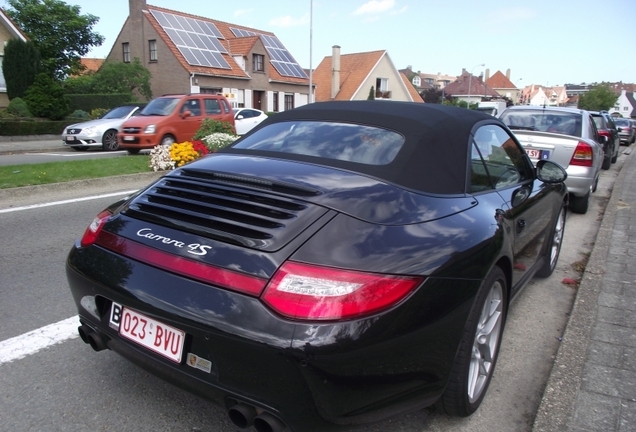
[561, 391]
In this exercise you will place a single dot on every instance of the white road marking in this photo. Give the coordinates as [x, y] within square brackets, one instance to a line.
[36, 340]
[74, 200]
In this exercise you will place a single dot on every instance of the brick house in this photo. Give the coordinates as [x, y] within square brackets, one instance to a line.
[351, 77]
[470, 88]
[190, 54]
[8, 30]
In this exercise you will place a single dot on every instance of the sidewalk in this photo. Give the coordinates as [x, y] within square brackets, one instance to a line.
[31, 143]
[592, 386]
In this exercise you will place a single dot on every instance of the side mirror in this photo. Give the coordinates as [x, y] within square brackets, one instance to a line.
[550, 172]
[602, 139]
[240, 117]
[620, 129]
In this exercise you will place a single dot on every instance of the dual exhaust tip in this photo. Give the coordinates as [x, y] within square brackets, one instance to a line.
[244, 415]
[91, 337]
[241, 414]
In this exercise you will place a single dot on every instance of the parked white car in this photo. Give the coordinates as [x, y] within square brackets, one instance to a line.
[567, 136]
[245, 119]
[100, 132]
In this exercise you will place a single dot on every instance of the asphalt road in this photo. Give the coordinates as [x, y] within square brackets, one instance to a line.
[69, 387]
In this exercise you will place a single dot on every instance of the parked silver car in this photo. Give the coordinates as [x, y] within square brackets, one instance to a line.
[100, 132]
[567, 136]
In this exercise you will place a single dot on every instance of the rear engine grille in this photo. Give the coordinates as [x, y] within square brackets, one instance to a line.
[242, 210]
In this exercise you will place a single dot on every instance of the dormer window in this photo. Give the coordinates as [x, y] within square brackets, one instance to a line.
[258, 61]
[417, 81]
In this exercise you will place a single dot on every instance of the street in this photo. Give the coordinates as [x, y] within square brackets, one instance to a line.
[67, 386]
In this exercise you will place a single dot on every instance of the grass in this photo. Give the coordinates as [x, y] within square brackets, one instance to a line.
[56, 172]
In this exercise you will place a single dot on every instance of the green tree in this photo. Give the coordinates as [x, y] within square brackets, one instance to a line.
[46, 98]
[599, 98]
[19, 66]
[82, 84]
[118, 77]
[432, 95]
[58, 30]
[371, 94]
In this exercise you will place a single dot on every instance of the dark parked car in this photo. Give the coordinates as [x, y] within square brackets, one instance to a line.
[627, 130]
[344, 262]
[608, 136]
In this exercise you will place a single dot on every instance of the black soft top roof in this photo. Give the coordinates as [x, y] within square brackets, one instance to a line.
[433, 158]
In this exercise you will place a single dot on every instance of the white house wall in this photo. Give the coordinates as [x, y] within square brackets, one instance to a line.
[384, 69]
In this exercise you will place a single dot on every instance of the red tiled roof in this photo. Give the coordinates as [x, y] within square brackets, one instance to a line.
[354, 68]
[414, 94]
[91, 64]
[476, 84]
[500, 81]
[234, 45]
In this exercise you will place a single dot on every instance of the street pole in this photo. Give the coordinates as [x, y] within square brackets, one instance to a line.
[311, 23]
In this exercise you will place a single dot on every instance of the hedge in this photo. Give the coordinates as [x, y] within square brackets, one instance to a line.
[40, 127]
[88, 102]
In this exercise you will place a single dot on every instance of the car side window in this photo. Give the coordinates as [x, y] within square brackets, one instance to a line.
[498, 154]
[212, 106]
[192, 105]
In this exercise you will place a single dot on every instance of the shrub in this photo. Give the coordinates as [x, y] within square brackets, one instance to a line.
[98, 113]
[209, 126]
[46, 98]
[80, 114]
[18, 108]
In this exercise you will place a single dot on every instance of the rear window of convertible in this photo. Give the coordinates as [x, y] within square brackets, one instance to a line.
[329, 140]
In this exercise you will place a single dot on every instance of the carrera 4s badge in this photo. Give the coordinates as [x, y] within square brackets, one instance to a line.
[193, 248]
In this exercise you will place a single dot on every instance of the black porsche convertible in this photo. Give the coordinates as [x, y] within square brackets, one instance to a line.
[341, 263]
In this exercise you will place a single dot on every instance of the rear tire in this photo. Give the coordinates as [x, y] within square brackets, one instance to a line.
[553, 246]
[607, 161]
[478, 350]
[581, 204]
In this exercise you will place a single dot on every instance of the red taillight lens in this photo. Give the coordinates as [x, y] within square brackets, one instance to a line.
[583, 155]
[91, 233]
[309, 292]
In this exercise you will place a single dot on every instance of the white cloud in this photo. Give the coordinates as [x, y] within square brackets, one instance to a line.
[375, 7]
[240, 12]
[289, 21]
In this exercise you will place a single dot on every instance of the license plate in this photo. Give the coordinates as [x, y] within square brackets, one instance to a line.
[70, 138]
[538, 154]
[129, 138]
[147, 332]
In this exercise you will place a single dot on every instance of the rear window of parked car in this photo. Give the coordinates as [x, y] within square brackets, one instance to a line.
[328, 140]
[564, 123]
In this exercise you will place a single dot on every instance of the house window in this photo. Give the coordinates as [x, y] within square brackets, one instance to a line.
[3, 83]
[625, 108]
[152, 49]
[275, 101]
[258, 62]
[382, 88]
[126, 51]
[417, 81]
[289, 102]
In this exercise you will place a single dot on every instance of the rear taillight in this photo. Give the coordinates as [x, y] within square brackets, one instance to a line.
[309, 292]
[604, 133]
[91, 233]
[583, 155]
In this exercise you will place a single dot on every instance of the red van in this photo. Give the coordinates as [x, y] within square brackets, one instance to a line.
[172, 118]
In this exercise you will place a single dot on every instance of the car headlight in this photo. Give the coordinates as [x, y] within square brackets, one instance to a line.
[89, 131]
[150, 129]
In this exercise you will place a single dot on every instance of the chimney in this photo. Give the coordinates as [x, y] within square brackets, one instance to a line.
[487, 75]
[335, 71]
[508, 74]
[135, 11]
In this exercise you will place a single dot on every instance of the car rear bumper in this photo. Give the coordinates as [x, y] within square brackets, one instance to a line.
[580, 179]
[308, 375]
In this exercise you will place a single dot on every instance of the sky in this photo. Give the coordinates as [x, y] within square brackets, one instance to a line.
[543, 42]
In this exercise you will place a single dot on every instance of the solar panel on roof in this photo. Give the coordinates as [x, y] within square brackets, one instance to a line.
[281, 59]
[197, 40]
